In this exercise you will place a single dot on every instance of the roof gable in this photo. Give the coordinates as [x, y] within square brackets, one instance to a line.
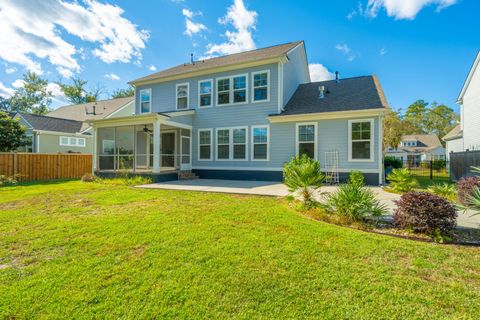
[472, 71]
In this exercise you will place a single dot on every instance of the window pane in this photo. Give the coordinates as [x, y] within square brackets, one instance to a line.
[64, 140]
[125, 139]
[73, 141]
[223, 85]
[365, 135]
[223, 152]
[224, 98]
[106, 162]
[81, 142]
[182, 103]
[260, 94]
[239, 151]
[356, 135]
[239, 82]
[356, 126]
[260, 151]
[239, 96]
[239, 135]
[205, 152]
[223, 136]
[205, 100]
[307, 148]
[361, 150]
[106, 140]
[204, 137]
[260, 79]
[182, 91]
[205, 87]
[365, 126]
[306, 133]
[259, 135]
[145, 96]
[145, 107]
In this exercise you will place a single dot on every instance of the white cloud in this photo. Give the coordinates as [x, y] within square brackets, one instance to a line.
[318, 72]
[5, 92]
[33, 30]
[112, 76]
[152, 68]
[18, 83]
[343, 48]
[64, 72]
[10, 70]
[243, 21]
[55, 90]
[404, 9]
[192, 28]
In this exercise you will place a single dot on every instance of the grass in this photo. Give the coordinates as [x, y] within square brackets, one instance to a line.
[88, 250]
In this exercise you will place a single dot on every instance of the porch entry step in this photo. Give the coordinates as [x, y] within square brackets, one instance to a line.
[187, 175]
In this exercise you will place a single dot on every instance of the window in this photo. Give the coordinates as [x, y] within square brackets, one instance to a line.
[239, 144]
[108, 146]
[205, 144]
[239, 89]
[205, 93]
[260, 140]
[360, 140]
[306, 139]
[145, 100]
[223, 144]
[72, 142]
[223, 91]
[182, 96]
[261, 81]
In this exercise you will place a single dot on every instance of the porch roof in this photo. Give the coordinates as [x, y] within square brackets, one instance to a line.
[139, 119]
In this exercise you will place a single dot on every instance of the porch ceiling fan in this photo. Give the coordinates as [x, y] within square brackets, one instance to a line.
[145, 129]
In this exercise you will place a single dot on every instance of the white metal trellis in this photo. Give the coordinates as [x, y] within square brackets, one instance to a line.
[331, 167]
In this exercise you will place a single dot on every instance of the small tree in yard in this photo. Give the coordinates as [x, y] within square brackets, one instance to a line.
[302, 174]
[11, 133]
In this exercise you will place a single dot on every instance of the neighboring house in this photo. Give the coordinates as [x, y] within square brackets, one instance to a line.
[418, 147]
[466, 137]
[242, 116]
[46, 134]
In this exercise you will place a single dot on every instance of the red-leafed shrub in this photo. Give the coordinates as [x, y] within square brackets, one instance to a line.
[425, 212]
[465, 188]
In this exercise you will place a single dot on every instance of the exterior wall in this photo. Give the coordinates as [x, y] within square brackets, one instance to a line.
[471, 113]
[125, 111]
[455, 145]
[50, 143]
[163, 97]
[295, 72]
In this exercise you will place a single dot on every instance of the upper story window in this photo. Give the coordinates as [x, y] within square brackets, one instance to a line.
[360, 136]
[261, 86]
[409, 143]
[145, 100]
[182, 96]
[232, 90]
[205, 93]
[239, 89]
[223, 91]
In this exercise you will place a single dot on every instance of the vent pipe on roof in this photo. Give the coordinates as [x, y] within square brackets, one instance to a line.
[321, 89]
[191, 59]
[337, 78]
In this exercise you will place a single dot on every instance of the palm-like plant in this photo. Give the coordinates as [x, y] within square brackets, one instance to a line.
[402, 180]
[473, 200]
[302, 174]
[445, 190]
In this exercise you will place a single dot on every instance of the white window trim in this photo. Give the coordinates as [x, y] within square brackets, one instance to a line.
[315, 138]
[68, 144]
[211, 144]
[188, 95]
[231, 144]
[149, 90]
[211, 93]
[231, 90]
[372, 142]
[268, 86]
[253, 143]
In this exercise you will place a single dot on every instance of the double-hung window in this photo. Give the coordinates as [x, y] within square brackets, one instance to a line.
[260, 140]
[260, 88]
[223, 91]
[145, 100]
[239, 89]
[239, 143]
[223, 144]
[205, 93]
[232, 144]
[306, 139]
[360, 133]
[205, 144]
[182, 96]
[232, 90]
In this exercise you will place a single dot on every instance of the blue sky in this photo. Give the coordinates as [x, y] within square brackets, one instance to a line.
[420, 49]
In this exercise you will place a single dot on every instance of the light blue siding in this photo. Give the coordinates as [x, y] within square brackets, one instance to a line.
[295, 72]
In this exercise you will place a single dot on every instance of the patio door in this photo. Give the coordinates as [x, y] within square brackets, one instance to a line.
[185, 157]
[167, 149]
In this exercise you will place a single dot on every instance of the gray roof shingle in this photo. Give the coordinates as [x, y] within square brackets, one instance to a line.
[47, 123]
[349, 94]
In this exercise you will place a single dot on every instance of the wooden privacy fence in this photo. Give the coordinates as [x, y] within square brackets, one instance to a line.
[461, 163]
[45, 166]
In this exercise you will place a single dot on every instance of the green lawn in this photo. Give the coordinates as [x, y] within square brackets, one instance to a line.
[73, 250]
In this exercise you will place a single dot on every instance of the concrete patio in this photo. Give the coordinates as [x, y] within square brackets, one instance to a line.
[275, 189]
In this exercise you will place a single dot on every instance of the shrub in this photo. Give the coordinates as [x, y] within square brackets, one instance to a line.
[127, 181]
[402, 180]
[354, 202]
[8, 180]
[465, 187]
[445, 190]
[473, 200]
[302, 174]
[88, 177]
[356, 177]
[425, 212]
[439, 165]
[393, 162]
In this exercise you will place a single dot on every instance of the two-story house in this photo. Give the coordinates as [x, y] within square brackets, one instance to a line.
[242, 116]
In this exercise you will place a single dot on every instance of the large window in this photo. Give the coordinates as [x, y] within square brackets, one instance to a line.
[182, 96]
[223, 91]
[205, 93]
[239, 89]
[232, 90]
[360, 140]
[232, 143]
[260, 140]
[239, 143]
[145, 100]
[260, 88]
[306, 139]
[72, 142]
[205, 144]
[223, 144]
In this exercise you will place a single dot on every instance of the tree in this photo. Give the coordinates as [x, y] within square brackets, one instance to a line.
[392, 130]
[415, 118]
[12, 134]
[440, 119]
[32, 97]
[123, 93]
[77, 93]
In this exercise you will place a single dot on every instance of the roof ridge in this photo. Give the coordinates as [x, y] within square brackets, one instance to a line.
[79, 104]
[342, 79]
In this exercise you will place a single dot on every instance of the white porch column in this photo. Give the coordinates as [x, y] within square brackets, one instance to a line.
[156, 146]
[95, 151]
